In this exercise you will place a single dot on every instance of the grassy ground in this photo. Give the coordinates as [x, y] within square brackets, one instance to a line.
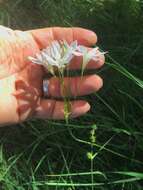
[103, 149]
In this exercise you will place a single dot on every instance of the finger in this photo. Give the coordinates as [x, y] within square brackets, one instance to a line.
[51, 109]
[74, 86]
[77, 61]
[45, 36]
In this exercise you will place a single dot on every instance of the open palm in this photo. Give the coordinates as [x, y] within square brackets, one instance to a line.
[21, 95]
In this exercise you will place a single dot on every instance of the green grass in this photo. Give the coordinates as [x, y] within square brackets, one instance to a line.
[103, 149]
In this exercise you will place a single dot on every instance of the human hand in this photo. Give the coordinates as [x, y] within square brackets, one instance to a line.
[21, 95]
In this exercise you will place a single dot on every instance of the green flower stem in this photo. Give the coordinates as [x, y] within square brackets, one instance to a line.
[67, 104]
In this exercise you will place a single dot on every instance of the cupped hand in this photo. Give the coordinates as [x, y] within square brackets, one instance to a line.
[21, 95]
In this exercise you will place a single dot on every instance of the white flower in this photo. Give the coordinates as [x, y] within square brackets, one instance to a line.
[93, 54]
[58, 54]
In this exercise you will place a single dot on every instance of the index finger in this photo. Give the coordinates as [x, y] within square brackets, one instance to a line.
[45, 36]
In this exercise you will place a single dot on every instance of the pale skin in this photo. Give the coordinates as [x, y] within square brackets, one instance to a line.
[21, 95]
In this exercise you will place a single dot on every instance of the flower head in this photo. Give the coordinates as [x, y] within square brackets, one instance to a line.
[93, 54]
[58, 54]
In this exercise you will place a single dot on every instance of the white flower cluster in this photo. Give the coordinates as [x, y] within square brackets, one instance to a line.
[59, 54]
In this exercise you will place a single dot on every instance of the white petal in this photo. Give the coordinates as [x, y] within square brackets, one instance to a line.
[82, 49]
[34, 60]
[57, 44]
[67, 58]
[55, 50]
[95, 58]
[73, 45]
[66, 44]
[48, 59]
[93, 52]
[39, 57]
[47, 51]
[52, 52]
[76, 53]
[68, 55]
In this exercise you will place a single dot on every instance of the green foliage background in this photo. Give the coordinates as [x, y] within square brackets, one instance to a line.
[103, 149]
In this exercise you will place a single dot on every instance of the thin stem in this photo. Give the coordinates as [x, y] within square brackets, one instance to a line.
[91, 164]
[67, 106]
